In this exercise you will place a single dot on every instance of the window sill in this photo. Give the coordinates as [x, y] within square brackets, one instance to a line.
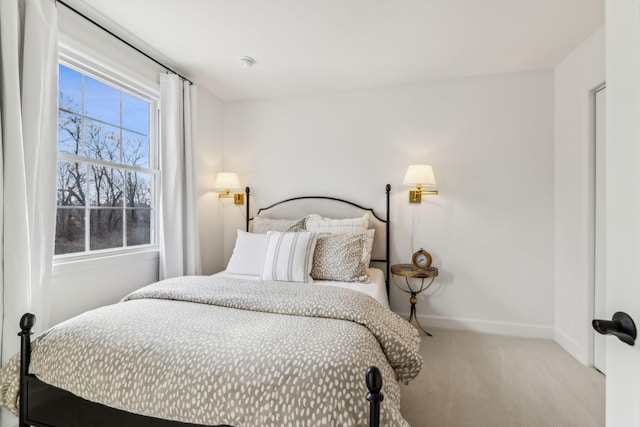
[66, 265]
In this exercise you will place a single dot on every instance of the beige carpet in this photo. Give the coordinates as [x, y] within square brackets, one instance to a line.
[480, 380]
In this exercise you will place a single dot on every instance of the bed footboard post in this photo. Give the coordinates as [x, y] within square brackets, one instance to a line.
[26, 323]
[374, 385]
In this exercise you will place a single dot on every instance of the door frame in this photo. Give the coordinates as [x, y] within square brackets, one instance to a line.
[599, 227]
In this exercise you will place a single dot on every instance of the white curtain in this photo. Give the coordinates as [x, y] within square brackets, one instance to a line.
[179, 243]
[28, 136]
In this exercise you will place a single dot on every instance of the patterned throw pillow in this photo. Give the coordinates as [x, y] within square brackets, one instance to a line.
[289, 256]
[329, 225]
[264, 225]
[339, 257]
[369, 246]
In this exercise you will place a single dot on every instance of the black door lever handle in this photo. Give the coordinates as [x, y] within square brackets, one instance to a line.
[621, 325]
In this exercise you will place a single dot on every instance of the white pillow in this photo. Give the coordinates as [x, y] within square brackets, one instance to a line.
[335, 226]
[289, 256]
[248, 254]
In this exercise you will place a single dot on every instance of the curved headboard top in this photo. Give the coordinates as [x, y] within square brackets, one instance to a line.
[332, 207]
[329, 207]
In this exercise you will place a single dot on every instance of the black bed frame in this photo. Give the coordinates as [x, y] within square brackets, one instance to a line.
[44, 405]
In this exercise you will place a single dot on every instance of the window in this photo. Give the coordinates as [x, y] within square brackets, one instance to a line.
[107, 166]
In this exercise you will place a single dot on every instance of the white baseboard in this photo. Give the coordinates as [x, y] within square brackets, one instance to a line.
[485, 326]
[572, 347]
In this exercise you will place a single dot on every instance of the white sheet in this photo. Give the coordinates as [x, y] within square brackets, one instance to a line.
[376, 287]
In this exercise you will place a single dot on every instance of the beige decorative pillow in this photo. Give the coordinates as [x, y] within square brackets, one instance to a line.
[339, 257]
[263, 225]
[329, 225]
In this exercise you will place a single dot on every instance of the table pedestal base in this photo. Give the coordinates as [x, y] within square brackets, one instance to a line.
[413, 316]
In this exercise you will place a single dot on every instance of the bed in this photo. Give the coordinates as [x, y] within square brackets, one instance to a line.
[234, 349]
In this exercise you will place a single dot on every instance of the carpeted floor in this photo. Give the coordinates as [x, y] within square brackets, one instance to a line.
[478, 380]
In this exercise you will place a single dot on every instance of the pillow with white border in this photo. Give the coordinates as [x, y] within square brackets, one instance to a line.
[335, 226]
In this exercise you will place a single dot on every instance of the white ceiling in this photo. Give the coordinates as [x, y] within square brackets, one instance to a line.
[312, 46]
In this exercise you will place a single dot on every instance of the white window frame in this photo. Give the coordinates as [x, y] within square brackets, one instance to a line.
[122, 81]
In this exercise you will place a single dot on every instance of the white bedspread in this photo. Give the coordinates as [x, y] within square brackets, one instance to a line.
[217, 350]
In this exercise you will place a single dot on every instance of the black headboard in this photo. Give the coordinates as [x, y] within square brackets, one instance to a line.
[333, 207]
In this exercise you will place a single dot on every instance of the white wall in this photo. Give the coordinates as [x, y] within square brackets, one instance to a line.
[576, 78]
[490, 141]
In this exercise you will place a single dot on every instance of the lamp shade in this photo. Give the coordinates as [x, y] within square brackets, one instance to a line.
[420, 175]
[227, 181]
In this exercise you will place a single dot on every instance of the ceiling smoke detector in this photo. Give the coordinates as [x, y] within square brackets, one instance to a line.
[246, 61]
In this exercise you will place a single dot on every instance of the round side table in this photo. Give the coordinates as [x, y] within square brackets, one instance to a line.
[409, 273]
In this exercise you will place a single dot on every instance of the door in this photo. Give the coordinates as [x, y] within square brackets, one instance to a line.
[623, 205]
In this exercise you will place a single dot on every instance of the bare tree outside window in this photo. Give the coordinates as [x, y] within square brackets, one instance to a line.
[105, 179]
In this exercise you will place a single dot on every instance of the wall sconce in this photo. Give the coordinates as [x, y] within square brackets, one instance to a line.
[420, 175]
[227, 181]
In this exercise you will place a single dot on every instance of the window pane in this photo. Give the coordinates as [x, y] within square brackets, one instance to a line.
[106, 228]
[139, 190]
[101, 141]
[135, 114]
[138, 227]
[72, 179]
[70, 89]
[135, 149]
[69, 133]
[106, 186]
[101, 101]
[69, 231]
[101, 129]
